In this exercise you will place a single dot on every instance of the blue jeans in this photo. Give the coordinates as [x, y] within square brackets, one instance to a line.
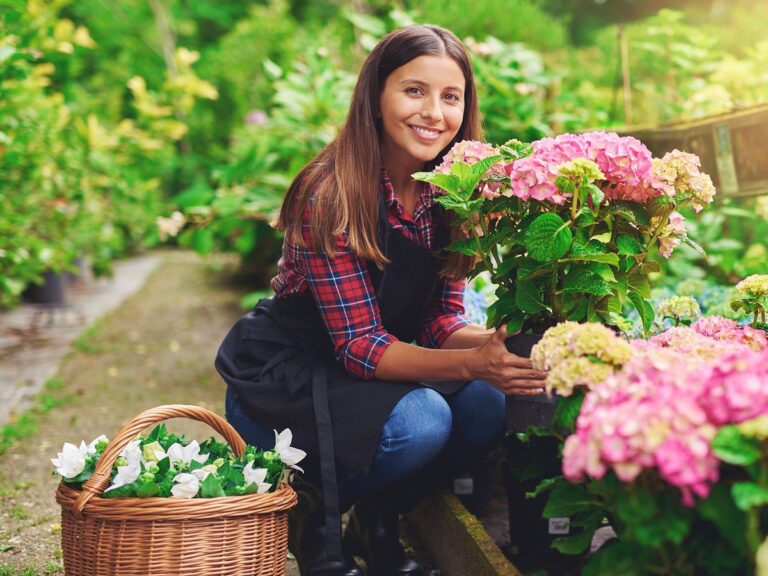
[424, 429]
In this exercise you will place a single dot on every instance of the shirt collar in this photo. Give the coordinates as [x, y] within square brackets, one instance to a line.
[427, 194]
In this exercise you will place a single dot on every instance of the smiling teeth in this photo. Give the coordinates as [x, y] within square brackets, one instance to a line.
[426, 131]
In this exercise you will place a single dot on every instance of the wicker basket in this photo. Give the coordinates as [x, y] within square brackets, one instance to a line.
[232, 536]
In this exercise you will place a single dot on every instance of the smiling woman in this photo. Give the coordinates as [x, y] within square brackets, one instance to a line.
[365, 352]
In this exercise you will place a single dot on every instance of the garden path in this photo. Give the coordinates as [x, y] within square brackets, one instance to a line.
[156, 348]
[34, 339]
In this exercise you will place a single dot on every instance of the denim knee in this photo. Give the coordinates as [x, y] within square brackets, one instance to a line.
[418, 428]
[479, 412]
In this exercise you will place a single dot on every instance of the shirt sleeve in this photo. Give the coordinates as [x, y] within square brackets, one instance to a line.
[445, 314]
[345, 298]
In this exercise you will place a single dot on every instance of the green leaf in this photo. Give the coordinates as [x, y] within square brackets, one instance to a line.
[590, 248]
[584, 281]
[610, 259]
[596, 194]
[579, 542]
[547, 238]
[567, 499]
[638, 212]
[639, 283]
[731, 522]
[211, 487]
[480, 168]
[447, 182]
[748, 495]
[202, 240]
[628, 245]
[515, 323]
[148, 489]
[577, 310]
[650, 266]
[528, 297]
[468, 246]
[731, 446]
[644, 309]
[617, 558]
[603, 238]
[567, 411]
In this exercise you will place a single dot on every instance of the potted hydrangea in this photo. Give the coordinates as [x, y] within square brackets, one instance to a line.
[567, 228]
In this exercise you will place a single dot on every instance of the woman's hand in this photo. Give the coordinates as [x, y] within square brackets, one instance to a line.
[509, 373]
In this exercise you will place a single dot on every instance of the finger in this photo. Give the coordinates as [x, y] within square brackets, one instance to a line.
[521, 383]
[525, 391]
[519, 362]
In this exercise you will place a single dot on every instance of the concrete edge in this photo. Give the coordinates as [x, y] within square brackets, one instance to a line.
[457, 540]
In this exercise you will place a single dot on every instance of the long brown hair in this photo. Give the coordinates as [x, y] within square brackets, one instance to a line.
[344, 178]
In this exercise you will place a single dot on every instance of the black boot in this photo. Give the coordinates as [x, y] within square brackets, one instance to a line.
[306, 536]
[373, 534]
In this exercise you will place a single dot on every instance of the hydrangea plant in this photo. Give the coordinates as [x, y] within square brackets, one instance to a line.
[671, 447]
[566, 226]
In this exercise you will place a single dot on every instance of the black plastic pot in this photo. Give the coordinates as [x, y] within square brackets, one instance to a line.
[475, 487]
[51, 291]
[531, 534]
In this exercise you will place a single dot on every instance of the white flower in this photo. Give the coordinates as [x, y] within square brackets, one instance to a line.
[128, 473]
[185, 485]
[71, 460]
[178, 453]
[132, 452]
[289, 456]
[256, 476]
[202, 473]
[92, 445]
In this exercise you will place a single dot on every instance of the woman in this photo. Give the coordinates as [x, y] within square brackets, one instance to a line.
[362, 276]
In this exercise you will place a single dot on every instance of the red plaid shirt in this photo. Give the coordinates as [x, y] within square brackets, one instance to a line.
[346, 300]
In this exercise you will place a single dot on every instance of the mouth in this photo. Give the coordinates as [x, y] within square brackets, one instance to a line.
[425, 134]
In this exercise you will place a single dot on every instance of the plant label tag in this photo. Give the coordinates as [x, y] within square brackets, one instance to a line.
[463, 486]
[560, 525]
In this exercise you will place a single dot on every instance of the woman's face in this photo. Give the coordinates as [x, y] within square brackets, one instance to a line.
[422, 107]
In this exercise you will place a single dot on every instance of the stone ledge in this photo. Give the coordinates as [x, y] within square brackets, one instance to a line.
[456, 539]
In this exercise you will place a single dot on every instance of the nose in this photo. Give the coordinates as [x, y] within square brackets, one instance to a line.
[431, 109]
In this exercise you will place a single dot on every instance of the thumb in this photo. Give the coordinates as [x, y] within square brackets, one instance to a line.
[501, 333]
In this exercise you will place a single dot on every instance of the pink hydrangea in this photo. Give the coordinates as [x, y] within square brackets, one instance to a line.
[534, 177]
[471, 152]
[723, 329]
[737, 389]
[662, 411]
[625, 162]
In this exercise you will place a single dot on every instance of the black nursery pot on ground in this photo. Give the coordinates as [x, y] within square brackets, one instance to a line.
[526, 464]
[52, 291]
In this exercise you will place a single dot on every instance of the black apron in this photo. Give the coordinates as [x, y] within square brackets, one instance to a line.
[279, 359]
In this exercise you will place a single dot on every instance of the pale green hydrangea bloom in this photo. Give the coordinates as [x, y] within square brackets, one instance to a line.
[679, 308]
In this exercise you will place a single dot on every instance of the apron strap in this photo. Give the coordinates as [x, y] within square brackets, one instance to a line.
[327, 461]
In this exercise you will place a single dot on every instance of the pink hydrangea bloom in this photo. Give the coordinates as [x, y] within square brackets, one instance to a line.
[662, 411]
[737, 389]
[723, 329]
[471, 152]
[625, 162]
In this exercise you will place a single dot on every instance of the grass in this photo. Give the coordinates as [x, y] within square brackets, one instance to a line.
[27, 423]
[88, 341]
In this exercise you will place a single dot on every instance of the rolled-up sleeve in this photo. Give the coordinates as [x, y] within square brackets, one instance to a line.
[342, 290]
[445, 314]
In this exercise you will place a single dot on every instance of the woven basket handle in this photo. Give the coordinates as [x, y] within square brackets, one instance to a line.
[99, 481]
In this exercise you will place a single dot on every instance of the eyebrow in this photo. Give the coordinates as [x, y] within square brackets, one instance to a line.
[422, 83]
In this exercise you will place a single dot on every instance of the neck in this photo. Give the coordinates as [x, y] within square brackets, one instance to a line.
[400, 175]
